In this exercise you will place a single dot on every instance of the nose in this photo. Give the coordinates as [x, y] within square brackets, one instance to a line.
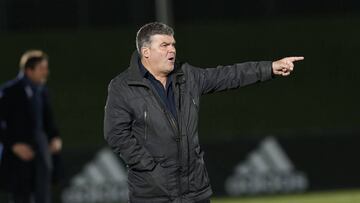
[172, 48]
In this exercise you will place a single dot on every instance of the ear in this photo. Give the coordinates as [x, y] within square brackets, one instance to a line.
[145, 52]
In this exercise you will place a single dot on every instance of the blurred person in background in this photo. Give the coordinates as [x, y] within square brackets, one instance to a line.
[151, 116]
[28, 132]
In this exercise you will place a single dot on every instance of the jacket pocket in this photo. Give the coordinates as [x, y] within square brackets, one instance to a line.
[161, 181]
[200, 179]
[147, 183]
[194, 102]
[172, 176]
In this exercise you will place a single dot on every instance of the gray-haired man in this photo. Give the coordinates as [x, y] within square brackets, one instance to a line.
[151, 116]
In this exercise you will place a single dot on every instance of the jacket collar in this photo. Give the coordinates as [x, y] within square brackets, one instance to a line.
[134, 70]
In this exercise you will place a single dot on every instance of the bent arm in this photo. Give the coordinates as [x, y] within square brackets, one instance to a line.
[117, 132]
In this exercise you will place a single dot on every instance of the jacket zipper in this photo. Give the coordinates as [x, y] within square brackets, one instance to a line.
[146, 123]
[179, 141]
[193, 100]
[171, 119]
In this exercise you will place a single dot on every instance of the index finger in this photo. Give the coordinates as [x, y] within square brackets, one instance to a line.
[296, 58]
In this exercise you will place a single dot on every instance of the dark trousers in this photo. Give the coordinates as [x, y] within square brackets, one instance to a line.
[43, 183]
[41, 194]
[21, 198]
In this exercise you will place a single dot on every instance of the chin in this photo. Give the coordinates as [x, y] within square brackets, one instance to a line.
[171, 68]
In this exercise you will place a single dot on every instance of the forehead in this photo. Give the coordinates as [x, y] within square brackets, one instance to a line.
[42, 64]
[162, 38]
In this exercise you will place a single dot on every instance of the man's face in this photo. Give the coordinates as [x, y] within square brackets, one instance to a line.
[161, 53]
[40, 73]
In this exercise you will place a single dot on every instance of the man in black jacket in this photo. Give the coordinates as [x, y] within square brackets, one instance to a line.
[28, 132]
[151, 116]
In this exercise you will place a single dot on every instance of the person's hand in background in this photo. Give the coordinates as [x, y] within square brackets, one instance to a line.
[23, 151]
[55, 145]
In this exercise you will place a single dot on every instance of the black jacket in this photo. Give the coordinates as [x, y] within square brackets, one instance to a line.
[163, 155]
[17, 122]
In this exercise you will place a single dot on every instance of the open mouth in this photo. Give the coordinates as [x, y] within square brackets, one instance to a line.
[172, 59]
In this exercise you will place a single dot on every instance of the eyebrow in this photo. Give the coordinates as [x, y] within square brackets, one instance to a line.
[168, 43]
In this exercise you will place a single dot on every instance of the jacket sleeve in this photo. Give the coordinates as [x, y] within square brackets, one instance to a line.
[15, 125]
[230, 77]
[117, 131]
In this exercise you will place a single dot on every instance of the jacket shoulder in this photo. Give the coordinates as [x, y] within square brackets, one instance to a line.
[188, 68]
[191, 72]
[10, 87]
[119, 81]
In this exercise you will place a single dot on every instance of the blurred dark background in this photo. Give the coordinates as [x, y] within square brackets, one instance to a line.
[89, 42]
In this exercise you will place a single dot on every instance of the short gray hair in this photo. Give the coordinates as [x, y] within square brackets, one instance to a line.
[143, 36]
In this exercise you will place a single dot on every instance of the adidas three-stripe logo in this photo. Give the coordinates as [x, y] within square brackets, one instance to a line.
[266, 170]
[102, 180]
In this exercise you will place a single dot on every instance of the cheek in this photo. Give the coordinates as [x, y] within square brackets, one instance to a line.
[45, 73]
[39, 76]
[159, 58]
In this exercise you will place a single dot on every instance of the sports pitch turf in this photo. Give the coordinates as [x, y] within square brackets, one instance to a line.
[321, 197]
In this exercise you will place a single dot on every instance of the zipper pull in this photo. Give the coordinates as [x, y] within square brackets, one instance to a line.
[145, 123]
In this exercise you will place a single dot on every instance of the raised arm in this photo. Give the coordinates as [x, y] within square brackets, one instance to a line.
[238, 75]
[230, 77]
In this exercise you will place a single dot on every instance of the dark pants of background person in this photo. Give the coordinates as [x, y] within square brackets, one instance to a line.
[42, 193]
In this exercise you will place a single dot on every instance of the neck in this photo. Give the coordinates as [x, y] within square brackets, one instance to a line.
[160, 76]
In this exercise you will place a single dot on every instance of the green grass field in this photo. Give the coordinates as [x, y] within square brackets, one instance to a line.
[321, 197]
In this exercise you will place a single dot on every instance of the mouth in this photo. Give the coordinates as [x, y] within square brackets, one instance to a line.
[171, 59]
